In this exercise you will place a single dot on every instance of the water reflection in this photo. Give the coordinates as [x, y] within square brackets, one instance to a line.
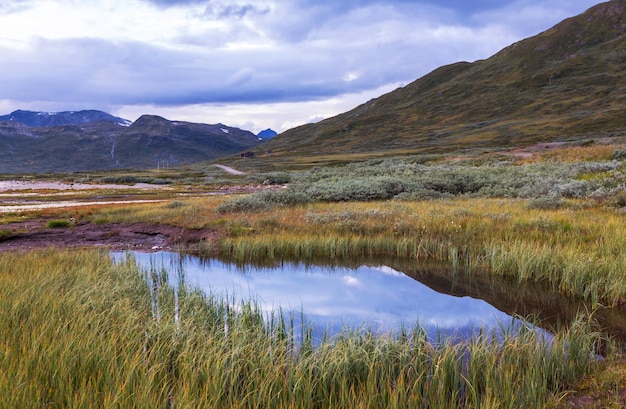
[330, 299]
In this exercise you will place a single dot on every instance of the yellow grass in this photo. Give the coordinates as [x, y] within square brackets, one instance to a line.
[576, 249]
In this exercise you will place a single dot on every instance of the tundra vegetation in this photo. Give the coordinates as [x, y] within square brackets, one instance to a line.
[79, 331]
[82, 330]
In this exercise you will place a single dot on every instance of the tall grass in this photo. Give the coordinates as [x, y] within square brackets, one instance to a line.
[78, 331]
[576, 248]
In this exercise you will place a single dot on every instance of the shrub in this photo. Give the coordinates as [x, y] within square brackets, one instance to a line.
[408, 179]
[357, 189]
[175, 204]
[273, 178]
[263, 201]
[285, 197]
[619, 154]
[251, 203]
[619, 199]
[546, 203]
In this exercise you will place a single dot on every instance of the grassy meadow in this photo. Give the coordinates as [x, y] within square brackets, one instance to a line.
[79, 331]
[82, 332]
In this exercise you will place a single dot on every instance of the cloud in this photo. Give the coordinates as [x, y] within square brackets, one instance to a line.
[279, 116]
[197, 54]
[13, 6]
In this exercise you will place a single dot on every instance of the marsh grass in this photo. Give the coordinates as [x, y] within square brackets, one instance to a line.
[5, 234]
[573, 246]
[79, 331]
[55, 224]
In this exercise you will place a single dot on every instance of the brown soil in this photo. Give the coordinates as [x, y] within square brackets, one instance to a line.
[35, 234]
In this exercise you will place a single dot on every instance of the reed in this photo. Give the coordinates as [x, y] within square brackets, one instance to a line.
[575, 248]
[79, 331]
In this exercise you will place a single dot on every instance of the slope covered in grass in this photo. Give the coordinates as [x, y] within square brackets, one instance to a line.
[567, 83]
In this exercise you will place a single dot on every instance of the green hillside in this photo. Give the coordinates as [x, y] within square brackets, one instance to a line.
[565, 84]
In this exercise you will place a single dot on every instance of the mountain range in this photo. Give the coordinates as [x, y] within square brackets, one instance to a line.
[565, 84]
[35, 119]
[38, 142]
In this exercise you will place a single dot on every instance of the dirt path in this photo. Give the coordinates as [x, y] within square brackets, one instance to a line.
[35, 234]
[230, 170]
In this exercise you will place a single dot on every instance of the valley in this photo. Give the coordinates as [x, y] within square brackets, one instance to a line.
[503, 180]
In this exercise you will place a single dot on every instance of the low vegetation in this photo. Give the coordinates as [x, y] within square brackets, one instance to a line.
[544, 218]
[411, 179]
[79, 331]
[558, 223]
[55, 224]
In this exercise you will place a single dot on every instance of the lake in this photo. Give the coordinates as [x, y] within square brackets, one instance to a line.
[332, 298]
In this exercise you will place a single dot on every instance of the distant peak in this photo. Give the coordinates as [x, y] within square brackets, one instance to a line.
[267, 134]
[48, 119]
[150, 118]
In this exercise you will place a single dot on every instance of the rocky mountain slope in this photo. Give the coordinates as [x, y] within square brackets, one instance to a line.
[106, 142]
[35, 118]
[567, 83]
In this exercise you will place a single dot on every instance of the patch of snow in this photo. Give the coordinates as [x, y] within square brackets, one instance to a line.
[125, 123]
[224, 130]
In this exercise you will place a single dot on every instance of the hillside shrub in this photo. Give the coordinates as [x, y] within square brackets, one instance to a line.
[409, 179]
[546, 203]
[285, 197]
[272, 178]
[355, 189]
[174, 204]
[618, 199]
[619, 154]
[263, 201]
[250, 203]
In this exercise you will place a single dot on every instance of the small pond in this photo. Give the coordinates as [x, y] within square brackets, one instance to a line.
[331, 298]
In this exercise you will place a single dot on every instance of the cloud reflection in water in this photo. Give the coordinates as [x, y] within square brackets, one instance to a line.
[333, 298]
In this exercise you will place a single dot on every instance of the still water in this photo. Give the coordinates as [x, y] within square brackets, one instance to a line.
[330, 299]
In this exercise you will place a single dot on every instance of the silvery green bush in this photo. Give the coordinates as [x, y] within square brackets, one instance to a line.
[411, 179]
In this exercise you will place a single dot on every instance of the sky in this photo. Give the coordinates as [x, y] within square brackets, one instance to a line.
[252, 64]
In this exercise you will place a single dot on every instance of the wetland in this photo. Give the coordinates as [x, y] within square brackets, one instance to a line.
[541, 243]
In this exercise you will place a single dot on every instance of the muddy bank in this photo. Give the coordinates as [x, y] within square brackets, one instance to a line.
[35, 234]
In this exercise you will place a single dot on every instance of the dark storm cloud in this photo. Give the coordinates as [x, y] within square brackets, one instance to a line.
[138, 73]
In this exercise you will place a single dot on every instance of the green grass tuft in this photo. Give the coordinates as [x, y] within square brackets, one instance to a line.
[55, 224]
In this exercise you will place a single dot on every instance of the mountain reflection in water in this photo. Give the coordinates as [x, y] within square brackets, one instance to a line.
[332, 298]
